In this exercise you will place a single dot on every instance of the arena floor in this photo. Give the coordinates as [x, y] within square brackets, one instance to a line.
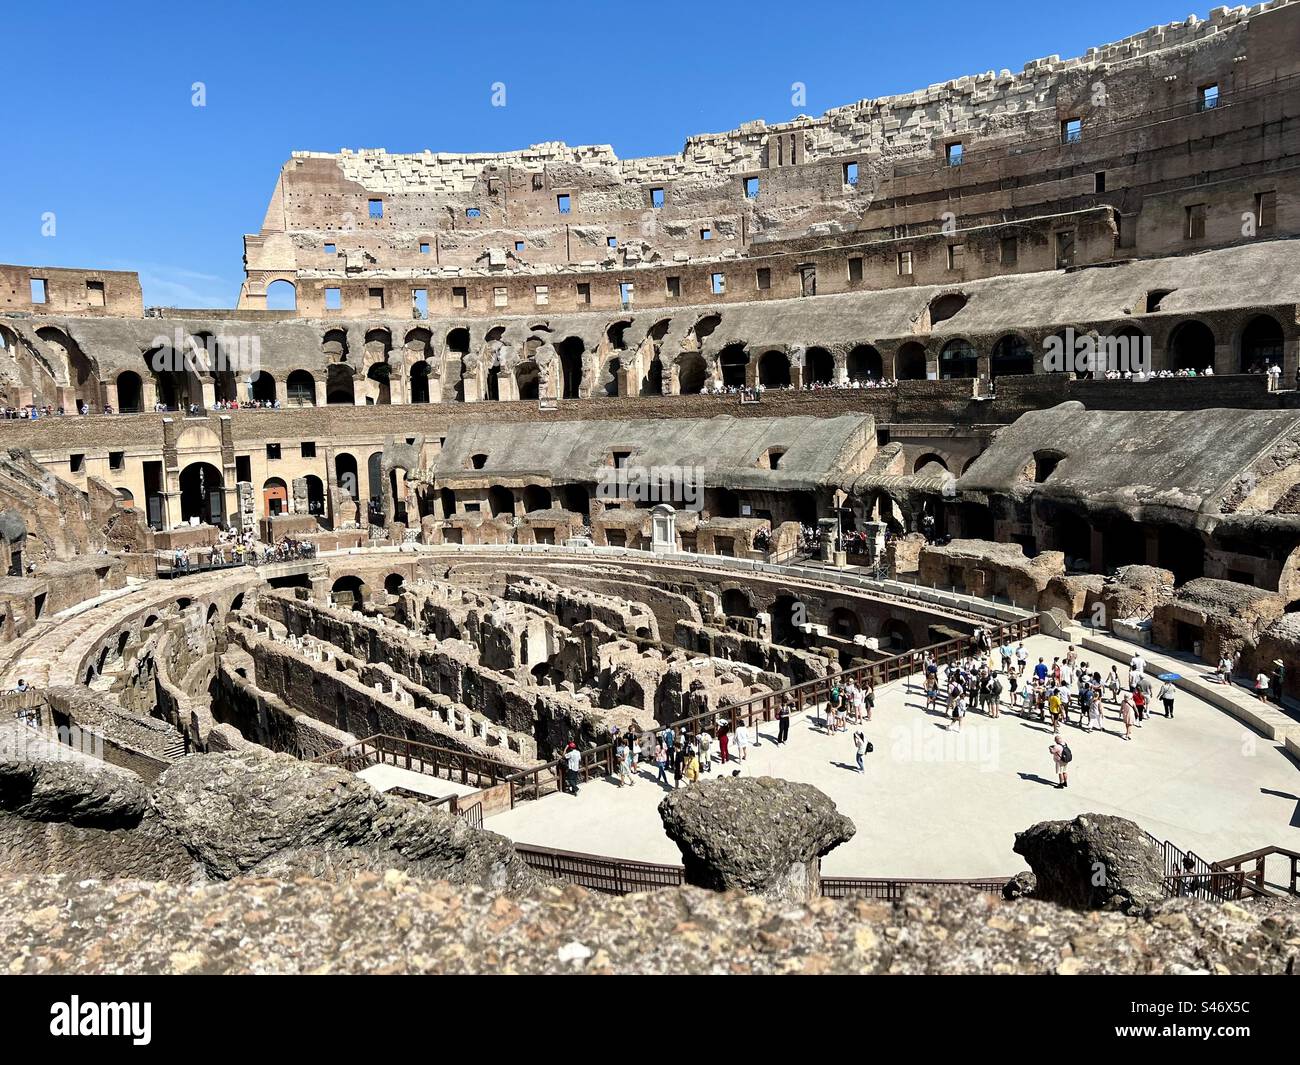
[933, 803]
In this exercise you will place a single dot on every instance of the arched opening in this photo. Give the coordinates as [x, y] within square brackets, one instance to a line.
[130, 392]
[1261, 344]
[339, 387]
[732, 362]
[202, 494]
[536, 498]
[958, 359]
[420, 382]
[501, 501]
[345, 473]
[691, 373]
[909, 363]
[1011, 357]
[924, 460]
[528, 380]
[394, 584]
[275, 497]
[705, 327]
[301, 389]
[844, 623]
[652, 384]
[315, 495]
[281, 296]
[865, 364]
[261, 389]
[616, 332]
[773, 369]
[787, 613]
[126, 496]
[736, 604]
[611, 379]
[570, 351]
[1191, 347]
[944, 307]
[375, 482]
[382, 392]
[818, 367]
[577, 498]
[348, 592]
[895, 635]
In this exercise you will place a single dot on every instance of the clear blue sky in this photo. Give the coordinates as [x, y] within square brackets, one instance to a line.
[101, 130]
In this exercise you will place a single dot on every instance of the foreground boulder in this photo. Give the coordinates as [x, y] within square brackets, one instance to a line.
[755, 834]
[255, 811]
[1095, 862]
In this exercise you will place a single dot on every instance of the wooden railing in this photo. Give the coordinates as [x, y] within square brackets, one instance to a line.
[599, 761]
[1254, 880]
[442, 762]
[891, 889]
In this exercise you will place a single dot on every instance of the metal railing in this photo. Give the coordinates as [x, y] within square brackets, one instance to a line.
[1254, 881]
[28, 707]
[442, 762]
[891, 889]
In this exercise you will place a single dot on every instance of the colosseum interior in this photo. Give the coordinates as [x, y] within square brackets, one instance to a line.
[556, 450]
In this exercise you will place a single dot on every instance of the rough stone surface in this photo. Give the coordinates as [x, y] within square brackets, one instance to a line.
[1095, 862]
[261, 812]
[758, 834]
[389, 923]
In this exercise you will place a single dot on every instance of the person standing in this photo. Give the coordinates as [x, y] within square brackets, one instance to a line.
[860, 747]
[1167, 697]
[623, 758]
[692, 767]
[1261, 686]
[724, 735]
[706, 752]
[661, 761]
[1061, 756]
[783, 721]
[679, 763]
[573, 763]
[868, 696]
[1126, 715]
[742, 741]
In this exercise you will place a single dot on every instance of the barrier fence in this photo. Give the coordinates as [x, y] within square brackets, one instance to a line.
[442, 762]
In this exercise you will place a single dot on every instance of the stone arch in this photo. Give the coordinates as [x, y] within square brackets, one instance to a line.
[300, 389]
[691, 374]
[130, 392]
[275, 497]
[528, 380]
[926, 458]
[958, 360]
[340, 386]
[818, 367]
[865, 364]
[896, 635]
[349, 591]
[570, 351]
[1191, 346]
[536, 497]
[202, 493]
[281, 295]
[261, 388]
[733, 363]
[1260, 344]
[1011, 357]
[844, 623]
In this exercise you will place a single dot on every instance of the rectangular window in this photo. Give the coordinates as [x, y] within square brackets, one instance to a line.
[850, 173]
[718, 283]
[625, 292]
[955, 153]
[1072, 131]
[376, 297]
[308, 449]
[76, 463]
[333, 299]
[612, 241]
[519, 245]
[656, 197]
[95, 293]
[500, 297]
[460, 297]
[855, 268]
[1099, 181]
[376, 208]
[1208, 97]
[330, 249]
[706, 234]
[420, 302]
[424, 247]
[541, 295]
[243, 467]
[39, 291]
[956, 256]
[272, 451]
[763, 275]
[1010, 251]
[116, 460]
[674, 287]
[1194, 227]
[563, 202]
[584, 292]
[904, 263]
[751, 188]
[1265, 209]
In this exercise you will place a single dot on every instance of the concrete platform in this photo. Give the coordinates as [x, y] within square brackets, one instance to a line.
[383, 777]
[934, 803]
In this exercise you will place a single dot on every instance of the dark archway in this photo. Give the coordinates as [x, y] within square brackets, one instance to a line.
[865, 364]
[909, 363]
[345, 472]
[958, 359]
[339, 387]
[202, 494]
[732, 363]
[130, 392]
[261, 389]
[528, 380]
[818, 367]
[1261, 344]
[420, 382]
[691, 373]
[1011, 357]
[570, 351]
[773, 369]
[300, 388]
[1191, 346]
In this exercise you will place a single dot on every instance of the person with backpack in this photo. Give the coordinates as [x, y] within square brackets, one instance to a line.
[860, 747]
[995, 696]
[1062, 756]
[783, 721]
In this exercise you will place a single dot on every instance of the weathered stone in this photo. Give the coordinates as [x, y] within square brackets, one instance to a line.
[758, 834]
[1095, 862]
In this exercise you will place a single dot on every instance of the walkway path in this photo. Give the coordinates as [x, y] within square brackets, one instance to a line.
[939, 804]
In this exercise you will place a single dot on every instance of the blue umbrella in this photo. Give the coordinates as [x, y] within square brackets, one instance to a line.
[1170, 676]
